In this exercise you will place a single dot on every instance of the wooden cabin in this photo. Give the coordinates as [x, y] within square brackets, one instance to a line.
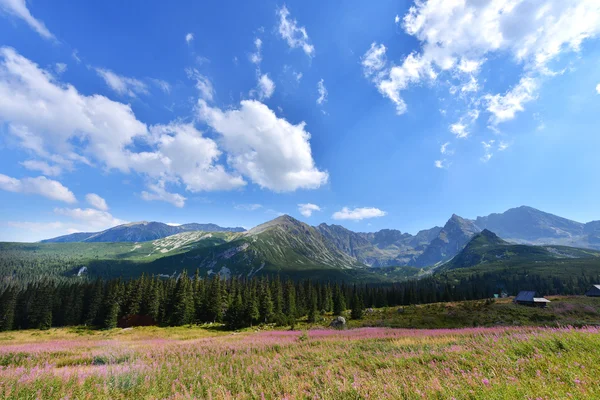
[594, 291]
[527, 298]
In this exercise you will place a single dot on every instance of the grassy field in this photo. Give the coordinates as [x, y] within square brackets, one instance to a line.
[376, 363]
[555, 361]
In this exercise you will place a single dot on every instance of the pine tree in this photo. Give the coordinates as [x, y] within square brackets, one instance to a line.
[8, 303]
[312, 306]
[183, 312]
[357, 306]
[214, 300]
[265, 303]
[112, 306]
[290, 303]
[339, 301]
[95, 296]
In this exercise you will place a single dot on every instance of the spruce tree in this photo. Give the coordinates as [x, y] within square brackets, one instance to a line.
[265, 303]
[339, 301]
[357, 306]
[183, 312]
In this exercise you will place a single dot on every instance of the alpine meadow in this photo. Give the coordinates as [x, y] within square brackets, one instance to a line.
[299, 200]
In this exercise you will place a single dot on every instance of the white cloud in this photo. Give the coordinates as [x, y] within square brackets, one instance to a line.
[503, 146]
[19, 9]
[598, 89]
[294, 35]
[60, 68]
[43, 167]
[122, 84]
[163, 85]
[460, 130]
[269, 150]
[183, 153]
[75, 55]
[442, 164]
[96, 201]
[158, 192]
[173, 223]
[41, 185]
[189, 37]
[358, 214]
[374, 60]
[203, 84]
[487, 148]
[55, 121]
[504, 107]
[308, 208]
[444, 148]
[247, 207]
[256, 57]
[458, 36]
[90, 219]
[266, 87]
[397, 19]
[322, 92]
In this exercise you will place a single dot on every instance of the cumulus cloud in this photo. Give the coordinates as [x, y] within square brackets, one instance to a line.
[598, 89]
[41, 185]
[294, 35]
[189, 37]
[96, 201]
[457, 38]
[58, 123]
[43, 167]
[322, 92]
[122, 84]
[308, 208]
[268, 150]
[358, 214]
[18, 8]
[184, 153]
[158, 192]
[266, 87]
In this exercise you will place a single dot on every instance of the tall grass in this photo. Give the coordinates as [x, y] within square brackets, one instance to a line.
[375, 363]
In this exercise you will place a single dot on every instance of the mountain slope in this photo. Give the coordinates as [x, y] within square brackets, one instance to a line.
[486, 251]
[138, 232]
[449, 241]
[527, 223]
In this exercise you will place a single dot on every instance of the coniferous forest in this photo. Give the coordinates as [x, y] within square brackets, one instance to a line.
[241, 303]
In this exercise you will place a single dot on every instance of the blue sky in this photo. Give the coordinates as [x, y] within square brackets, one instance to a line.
[386, 115]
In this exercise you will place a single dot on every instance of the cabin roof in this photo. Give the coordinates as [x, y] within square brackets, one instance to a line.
[540, 300]
[525, 295]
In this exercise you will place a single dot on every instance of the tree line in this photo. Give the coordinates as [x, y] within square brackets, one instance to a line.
[241, 303]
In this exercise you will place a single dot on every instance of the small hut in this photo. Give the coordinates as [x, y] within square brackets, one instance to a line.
[527, 298]
[594, 291]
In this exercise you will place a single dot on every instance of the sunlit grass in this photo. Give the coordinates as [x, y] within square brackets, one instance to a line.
[487, 363]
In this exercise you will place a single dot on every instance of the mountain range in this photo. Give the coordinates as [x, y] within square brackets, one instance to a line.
[291, 246]
[138, 232]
